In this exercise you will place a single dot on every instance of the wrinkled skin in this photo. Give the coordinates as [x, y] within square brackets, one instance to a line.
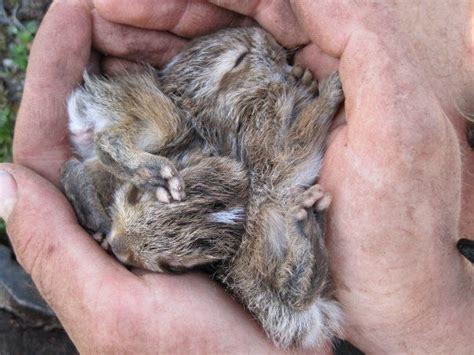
[398, 172]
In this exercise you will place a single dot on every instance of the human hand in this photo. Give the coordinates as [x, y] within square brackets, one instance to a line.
[394, 168]
[104, 307]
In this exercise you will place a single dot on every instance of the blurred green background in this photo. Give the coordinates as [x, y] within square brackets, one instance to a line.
[19, 21]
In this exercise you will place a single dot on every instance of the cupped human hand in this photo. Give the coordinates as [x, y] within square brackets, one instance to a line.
[394, 165]
[394, 171]
[104, 307]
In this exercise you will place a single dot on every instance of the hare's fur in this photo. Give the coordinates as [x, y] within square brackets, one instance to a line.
[213, 162]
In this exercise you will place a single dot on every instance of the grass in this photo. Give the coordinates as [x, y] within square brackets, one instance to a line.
[15, 43]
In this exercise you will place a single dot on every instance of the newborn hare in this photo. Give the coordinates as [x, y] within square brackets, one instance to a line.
[212, 162]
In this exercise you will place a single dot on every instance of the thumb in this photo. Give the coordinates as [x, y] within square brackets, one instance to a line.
[35, 213]
[8, 194]
[65, 263]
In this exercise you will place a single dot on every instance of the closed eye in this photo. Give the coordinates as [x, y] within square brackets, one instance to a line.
[240, 59]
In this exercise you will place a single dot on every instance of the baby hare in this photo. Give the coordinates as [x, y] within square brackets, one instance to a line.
[213, 162]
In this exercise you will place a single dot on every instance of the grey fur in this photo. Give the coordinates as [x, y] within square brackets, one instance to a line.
[230, 138]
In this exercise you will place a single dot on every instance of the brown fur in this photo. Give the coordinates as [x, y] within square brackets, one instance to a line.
[246, 133]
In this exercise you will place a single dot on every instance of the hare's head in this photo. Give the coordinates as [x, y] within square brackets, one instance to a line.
[176, 236]
[214, 69]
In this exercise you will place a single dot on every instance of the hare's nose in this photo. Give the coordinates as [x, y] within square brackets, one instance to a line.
[119, 247]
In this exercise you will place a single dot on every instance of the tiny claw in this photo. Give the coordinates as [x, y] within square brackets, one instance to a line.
[323, 203]
[299, 213]
[98, 237]
[314, 88]
[167, 172]
[162, 195]
[177, 195]
[310, 200]
[105, 244]
[175, 184]
[307, 77]
[176, 188]
[297, 71]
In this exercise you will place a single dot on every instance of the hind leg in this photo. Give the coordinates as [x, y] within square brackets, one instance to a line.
[304, 272]
[311, 126]
[280, 272]
[284, 244]
[132, 122]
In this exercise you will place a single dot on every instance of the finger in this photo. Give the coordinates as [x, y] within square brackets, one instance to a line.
[59, 55]
[115, 66]
[65, 263]
[330, 23]
[276, 17]
[386, 95]
[134, 44]
[182, 17]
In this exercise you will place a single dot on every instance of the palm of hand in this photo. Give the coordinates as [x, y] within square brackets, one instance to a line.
[390, 170]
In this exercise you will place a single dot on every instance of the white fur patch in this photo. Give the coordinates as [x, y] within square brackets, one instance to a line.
[230, 216]
[85, 119]
[77, 120]
[224, 65]
[227, 61]
[324, 321]
[83, 114]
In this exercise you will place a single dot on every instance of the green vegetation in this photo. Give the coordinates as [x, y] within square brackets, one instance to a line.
[14, 65]
[19, 49]
[15, 43]
[6, 129]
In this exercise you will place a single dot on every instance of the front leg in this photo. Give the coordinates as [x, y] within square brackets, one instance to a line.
[133, 125]
[310, 128]
[118, 150]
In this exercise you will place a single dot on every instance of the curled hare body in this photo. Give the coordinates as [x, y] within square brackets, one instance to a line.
[212, 162]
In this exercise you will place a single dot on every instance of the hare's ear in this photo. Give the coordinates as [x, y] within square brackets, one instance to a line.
[133, 195]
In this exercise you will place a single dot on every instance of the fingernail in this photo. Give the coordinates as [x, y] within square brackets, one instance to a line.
[8, 194]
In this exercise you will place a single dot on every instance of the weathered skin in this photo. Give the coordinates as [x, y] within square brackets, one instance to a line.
[90, 288]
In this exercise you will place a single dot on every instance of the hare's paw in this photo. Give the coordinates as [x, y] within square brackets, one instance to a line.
[331, 90]
[304, 264]
[316, 198]
[305, 77]
[101, 238]
[312, 198]
[160, 173]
